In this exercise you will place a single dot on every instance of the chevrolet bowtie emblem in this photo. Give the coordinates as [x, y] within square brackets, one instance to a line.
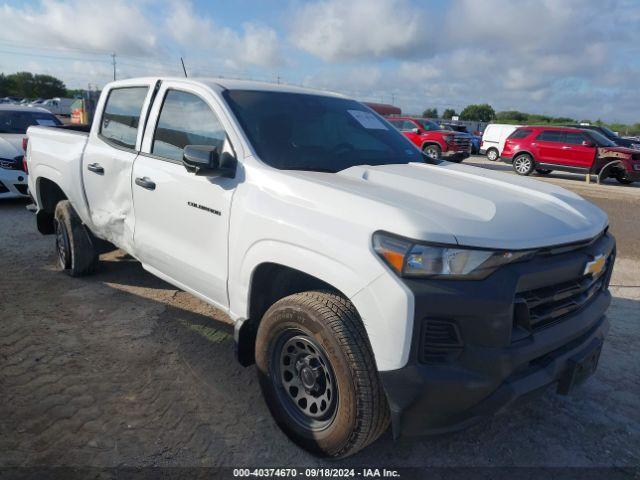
[595, 266]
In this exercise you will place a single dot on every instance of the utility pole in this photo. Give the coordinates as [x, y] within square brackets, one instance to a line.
[113, 61]
[278, 78]
[393, 98]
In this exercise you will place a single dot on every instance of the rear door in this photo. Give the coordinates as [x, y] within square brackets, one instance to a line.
[579, 155]
[549, 145]
[182, 219]
[108, 159]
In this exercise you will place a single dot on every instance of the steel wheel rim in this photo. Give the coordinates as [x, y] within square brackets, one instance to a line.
[522, 165]
[304, 380]
[61, 245]
[492, 155]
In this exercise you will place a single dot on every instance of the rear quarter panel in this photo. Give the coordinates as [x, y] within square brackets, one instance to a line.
[56, 155]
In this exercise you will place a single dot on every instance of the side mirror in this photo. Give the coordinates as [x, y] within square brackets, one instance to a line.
[205, 160]
[588, 143]
[415, 130]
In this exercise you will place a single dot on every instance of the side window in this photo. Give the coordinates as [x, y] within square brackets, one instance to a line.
[122, 115]
[551, 136]
[185, 119]
[520, 134]
[396, 123]
[408, 126]
[575, 138]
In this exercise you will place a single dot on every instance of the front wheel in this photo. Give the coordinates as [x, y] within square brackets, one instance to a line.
[432, 151]
[623, 179]
[523, 164]
[318, 374]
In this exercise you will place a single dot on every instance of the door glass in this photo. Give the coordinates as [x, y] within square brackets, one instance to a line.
[122, 115]
[575, 138]
[185, 119]
[551, 136]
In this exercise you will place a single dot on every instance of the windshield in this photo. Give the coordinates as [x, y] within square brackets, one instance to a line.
[609, 133]
[292, 131]
[600, 139]
[18, 122]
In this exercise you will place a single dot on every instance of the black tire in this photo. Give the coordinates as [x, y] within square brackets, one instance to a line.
[543, 171]
[624, 180]
[523, 164]
[433, 151]
[493, 154]
[74, 243]
[340, 354]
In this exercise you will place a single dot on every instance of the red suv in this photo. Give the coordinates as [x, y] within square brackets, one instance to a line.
[433, 140]
[545, 149]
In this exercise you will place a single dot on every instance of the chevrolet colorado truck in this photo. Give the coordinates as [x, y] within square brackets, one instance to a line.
[433, 140]
[370, 284]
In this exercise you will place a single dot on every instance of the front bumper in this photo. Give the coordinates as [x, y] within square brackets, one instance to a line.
[13, 183]
[457, 155]
[496, 360]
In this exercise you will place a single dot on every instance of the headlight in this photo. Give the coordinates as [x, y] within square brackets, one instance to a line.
[411, 259]
[448, 138]
[636, 146]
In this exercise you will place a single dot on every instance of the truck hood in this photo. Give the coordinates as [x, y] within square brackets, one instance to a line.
[11, 145]
[471, 206]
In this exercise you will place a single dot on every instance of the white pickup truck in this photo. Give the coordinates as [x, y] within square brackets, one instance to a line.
[369, 284]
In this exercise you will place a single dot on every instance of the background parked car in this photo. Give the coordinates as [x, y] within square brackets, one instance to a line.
[474, 139]
[493, 138]
[432, 139]
[58, 106]
[545, 149]
[611, 135]
[14, 121]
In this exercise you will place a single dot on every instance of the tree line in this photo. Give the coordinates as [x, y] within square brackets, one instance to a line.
[485, 113]
[29, 85]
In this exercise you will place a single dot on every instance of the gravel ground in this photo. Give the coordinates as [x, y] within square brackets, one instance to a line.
[122, 369]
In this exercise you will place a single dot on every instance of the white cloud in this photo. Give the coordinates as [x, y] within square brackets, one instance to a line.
[337, 30]
[82, 24]
[256, 44]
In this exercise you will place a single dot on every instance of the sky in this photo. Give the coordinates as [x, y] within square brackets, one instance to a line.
[577, 58]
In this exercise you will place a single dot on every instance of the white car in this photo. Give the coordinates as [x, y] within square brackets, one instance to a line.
[493, 138]
[370, 284]
[14, 121]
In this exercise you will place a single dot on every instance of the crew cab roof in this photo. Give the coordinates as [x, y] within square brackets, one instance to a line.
[221, 84]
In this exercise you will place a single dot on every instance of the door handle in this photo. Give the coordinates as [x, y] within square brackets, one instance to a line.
[566, 147]
[145, 182]
[96, 168]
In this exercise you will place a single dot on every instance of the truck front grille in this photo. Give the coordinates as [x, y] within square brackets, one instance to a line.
[542, 307]
[441, 341]
[462, 142]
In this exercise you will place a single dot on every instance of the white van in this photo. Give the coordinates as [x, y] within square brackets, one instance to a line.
[493, 139]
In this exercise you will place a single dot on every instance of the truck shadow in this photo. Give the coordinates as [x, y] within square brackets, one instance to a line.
[202, 337]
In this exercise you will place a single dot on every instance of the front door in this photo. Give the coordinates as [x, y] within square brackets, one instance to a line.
[182, 219]
[108, 160]
[580, 155]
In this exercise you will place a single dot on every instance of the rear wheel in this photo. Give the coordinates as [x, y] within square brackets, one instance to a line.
[318, 374]
[75, 249]
[492, 154]
[432, 151]
[523, 164]
[543, 171]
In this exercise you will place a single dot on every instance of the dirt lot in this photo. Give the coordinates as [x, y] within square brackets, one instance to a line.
[121, 369]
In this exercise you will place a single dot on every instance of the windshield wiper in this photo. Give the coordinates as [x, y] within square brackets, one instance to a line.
[310, 169]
